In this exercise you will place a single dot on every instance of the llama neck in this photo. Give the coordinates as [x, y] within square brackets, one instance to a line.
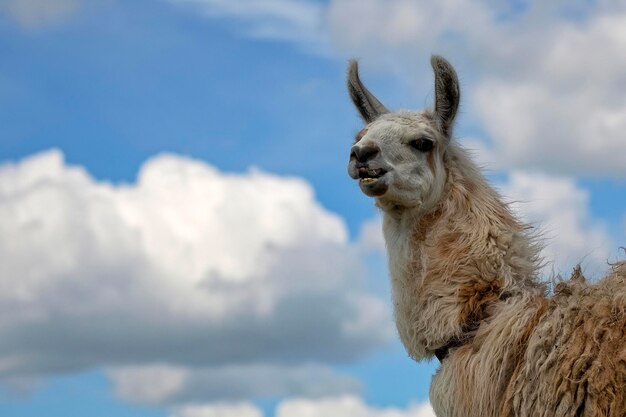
[450, 267]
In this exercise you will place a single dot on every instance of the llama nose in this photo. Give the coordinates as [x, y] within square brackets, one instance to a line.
[364, 153]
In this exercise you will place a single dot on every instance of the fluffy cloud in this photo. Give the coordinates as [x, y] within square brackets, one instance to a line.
[373, 26]
[564, 112]
[189, 267]
[560, 210]
[219, 410]
[158, 385]
[346, 407]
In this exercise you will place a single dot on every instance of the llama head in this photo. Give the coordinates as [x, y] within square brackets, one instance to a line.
[398, 157]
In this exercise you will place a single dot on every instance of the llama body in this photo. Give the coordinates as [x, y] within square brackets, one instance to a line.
[463, 273]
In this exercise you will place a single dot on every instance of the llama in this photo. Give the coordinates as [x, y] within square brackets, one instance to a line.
[464, 275]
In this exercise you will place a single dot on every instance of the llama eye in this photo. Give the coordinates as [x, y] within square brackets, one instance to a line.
[423, 144]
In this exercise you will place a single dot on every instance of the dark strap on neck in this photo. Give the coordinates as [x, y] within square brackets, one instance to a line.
[455, 342]
[443, 351]
[469, 331]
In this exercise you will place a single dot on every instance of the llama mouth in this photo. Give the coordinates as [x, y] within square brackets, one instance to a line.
[372, 181]
[369, 175]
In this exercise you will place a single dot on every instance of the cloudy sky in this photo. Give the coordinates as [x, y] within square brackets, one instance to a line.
[178, 234]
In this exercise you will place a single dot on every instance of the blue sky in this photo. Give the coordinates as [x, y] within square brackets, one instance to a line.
[179, 234]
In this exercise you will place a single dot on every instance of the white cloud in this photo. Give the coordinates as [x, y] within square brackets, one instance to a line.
[151, 384]
[370, 25]
[563, 112]
[346, 407]
[189, 267]
[218, 410]
[163, 384]
[34, 14]
[560, 210]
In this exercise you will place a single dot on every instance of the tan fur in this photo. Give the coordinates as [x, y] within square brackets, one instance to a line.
[469, 263]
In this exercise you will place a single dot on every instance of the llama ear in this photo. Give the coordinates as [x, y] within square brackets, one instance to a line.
[368, 106]
[447, 93]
